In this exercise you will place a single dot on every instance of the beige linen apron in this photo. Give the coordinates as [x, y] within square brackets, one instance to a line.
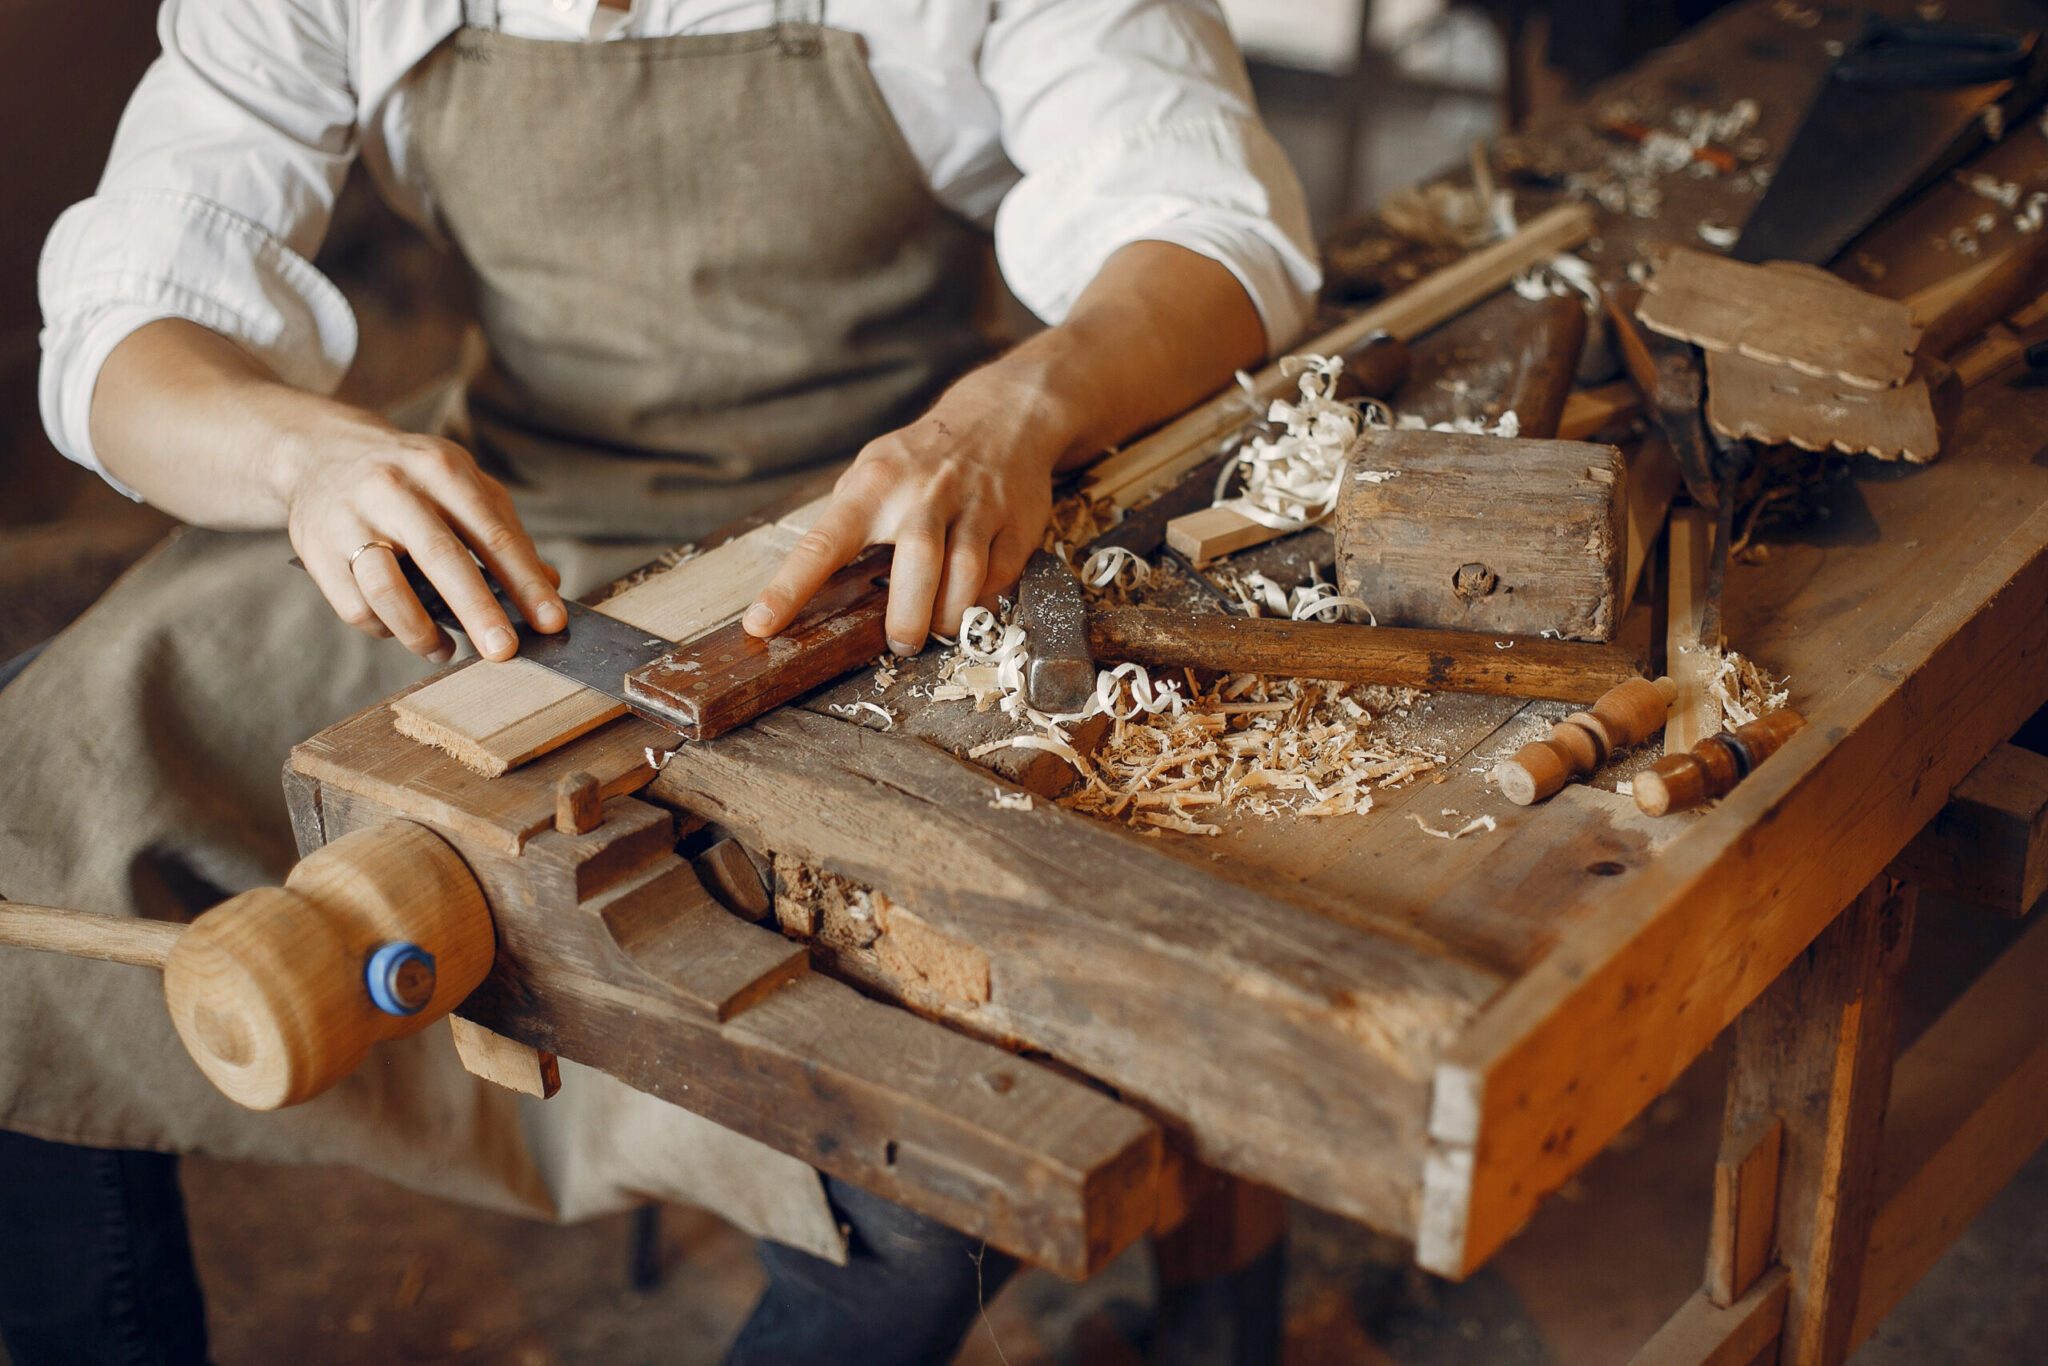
[705, 266]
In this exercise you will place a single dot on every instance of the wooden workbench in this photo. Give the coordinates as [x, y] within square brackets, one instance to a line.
[1422, 1034]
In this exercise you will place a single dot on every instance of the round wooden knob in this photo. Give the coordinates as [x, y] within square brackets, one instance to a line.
[279, 993]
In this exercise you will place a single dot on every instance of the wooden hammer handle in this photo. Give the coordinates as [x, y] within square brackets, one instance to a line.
[88, 934]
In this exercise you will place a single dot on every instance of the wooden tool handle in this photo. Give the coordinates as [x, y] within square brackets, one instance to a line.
[2017, 280]
[1455, 661]
[1679, 782]
[1551, 336]
[1625, 715]
[88, 934]
[728, 677]
[276, 993]
[1376, 368]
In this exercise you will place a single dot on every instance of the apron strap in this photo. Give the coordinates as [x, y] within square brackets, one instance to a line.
[796, 26]
[481, 14]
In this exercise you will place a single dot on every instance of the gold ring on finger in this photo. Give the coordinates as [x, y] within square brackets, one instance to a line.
[355, 554]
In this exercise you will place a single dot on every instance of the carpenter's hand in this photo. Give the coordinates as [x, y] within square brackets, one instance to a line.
[963, 494]
[427, 499]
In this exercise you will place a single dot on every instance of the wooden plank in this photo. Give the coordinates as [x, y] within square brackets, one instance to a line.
[1989, 845]
[1753, 400]
[1745, 1209]
[1457, 661]
[1591, 412]
[1042, 1166]
[1653, 480]
[1283, 1041]
[1818, 326]
[1478, 533]
[1815, 1051]
[1584, 1040]
[1702, 1333]
[1969, 1106]
[1695, 715]
[505, 1062]
[1125, 476]
[493, 717]
[1213, 532]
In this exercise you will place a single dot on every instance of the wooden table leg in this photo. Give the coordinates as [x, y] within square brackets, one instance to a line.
[1221, 1272]
[1816, 1051]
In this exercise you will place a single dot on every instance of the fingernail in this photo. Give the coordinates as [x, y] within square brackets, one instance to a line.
[897, 647]
[499, 641]
[552, 616]
[442, 655]
[759, 617]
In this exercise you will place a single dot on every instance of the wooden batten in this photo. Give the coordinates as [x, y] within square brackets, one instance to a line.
[1702, 1333]
[1694, 713]
[1989, 845]
[505, 1062]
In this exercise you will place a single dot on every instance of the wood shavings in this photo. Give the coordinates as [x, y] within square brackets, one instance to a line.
[1473, 826]
[856, 711]
[1010, 801]
[885, 673]
[1314, 600]
[1114, 564]
[1718, 235]
[1374, 476]
[1746, 691]
[1292, 480]
[658, 759]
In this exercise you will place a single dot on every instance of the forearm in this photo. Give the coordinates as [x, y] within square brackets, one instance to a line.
[200, 428]
[1159, 329]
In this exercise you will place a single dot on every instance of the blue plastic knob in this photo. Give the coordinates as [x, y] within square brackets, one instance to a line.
[400, 977]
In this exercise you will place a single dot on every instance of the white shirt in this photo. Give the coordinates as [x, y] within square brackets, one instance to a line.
[1074, 127]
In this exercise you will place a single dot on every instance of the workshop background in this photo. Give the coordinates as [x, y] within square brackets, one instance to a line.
[329, 1266]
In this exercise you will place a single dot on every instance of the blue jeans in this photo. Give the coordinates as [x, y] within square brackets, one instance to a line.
[95, 1266]
[96, 1270]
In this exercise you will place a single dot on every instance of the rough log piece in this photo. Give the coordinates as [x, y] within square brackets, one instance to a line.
[1455, 661]
[1551, 338]
[1545, 521]
[1989, 845]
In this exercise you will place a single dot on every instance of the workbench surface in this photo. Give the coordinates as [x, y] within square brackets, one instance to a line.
[1424, 1034]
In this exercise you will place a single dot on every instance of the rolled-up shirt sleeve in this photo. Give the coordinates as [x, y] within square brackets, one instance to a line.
[1133, 121]
[219, 187]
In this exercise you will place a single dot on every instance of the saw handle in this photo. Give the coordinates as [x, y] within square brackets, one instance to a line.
[278, 993]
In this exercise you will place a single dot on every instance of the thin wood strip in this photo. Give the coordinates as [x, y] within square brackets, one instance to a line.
[88, 934]
[1742, 891]
[1745, 1210]
[1989, 845]
[1125, 476]
[1969, 1106]
[1694, 715]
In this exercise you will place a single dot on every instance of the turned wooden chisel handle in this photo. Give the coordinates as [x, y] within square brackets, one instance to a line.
[88, 934]
[1679, 782]
[1625, 715]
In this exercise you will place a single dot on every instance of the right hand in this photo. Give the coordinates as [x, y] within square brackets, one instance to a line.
[426, 498]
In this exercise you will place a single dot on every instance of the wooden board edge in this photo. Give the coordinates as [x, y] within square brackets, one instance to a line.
[1702, 1334]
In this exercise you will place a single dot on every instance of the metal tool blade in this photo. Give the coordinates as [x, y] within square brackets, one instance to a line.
[595, 650]
[1051, 608]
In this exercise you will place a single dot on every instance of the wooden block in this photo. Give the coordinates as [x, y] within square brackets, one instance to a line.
[1216, 531]
[713, 961]
[1745, 1210]
[507, 1062]
[579, 803]
[1989, 845]
[1589, 412]
[1998, 349]
[731, 875]
[1126, 476]
[1755, 400]
[1702, 1333]
[1694, 714]
[1478, 533]
[493, 717]
[1969, 1106]
[1818, 327]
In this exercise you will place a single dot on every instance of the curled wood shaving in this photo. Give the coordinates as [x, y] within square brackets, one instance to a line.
[1292, 480]
[1010, 801]
[1477, 823]
[1746, 691]
[658, 759]
[1114, 564]
[853, 711]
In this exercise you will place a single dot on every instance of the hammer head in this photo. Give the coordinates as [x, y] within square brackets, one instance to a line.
[1060, 676]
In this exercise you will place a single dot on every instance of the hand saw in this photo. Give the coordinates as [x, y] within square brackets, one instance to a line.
[724, 678]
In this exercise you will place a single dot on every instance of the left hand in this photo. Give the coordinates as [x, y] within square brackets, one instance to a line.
[963, 494]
